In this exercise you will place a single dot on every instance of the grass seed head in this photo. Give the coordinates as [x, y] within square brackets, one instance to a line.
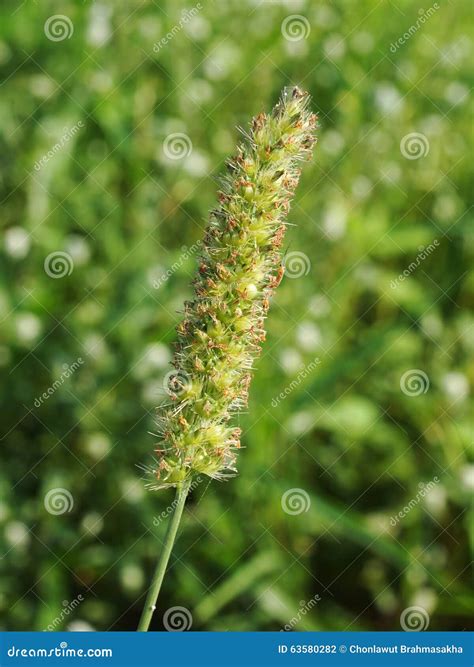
[239, 267]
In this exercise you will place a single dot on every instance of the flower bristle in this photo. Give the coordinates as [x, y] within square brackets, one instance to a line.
[239, 268]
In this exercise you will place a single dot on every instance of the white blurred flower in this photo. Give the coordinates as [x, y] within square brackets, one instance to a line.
[433, 124]
[157, 355]
[152, 392]
[335, 220]
[155, 275]
[465, 325]
[325, 16]
[198, 28]
[455, 385]
[28, 327]
[335, 47]
[78, 248]
[290, 360]
[391, 172]
[41, 85]
[17, 242]
[298, 49]
[131, 577]
[300, 422]
[466, 475]
[79, 626]
[132, 490]
[92, 523]
[97, 445]
[432, 325]
[199, 90]
[17, 534]
[332, 142]
[149, 26]
[367, 274]
[308, 336]
[361, 187]
[224, 58]
[446, 208]
[388, 99]
[456, 92]
[425, 598]
[99, 29]
[95, 346]
[435, 499]
[197, 163]
[319, 305]
[409, 69]
[101, 81]
[378, 522]
[459, 50]
[379, 139]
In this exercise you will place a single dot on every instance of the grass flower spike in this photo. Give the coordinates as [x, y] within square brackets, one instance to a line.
[239, 268]
[223, 326]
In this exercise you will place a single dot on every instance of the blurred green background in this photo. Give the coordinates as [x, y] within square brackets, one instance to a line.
[93, 328]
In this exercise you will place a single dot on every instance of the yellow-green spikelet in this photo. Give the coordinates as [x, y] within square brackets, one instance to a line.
[239, 268]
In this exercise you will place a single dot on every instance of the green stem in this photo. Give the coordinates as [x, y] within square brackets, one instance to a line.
[152, 596]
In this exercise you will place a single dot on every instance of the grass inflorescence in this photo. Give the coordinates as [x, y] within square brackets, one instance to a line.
[239, 268]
